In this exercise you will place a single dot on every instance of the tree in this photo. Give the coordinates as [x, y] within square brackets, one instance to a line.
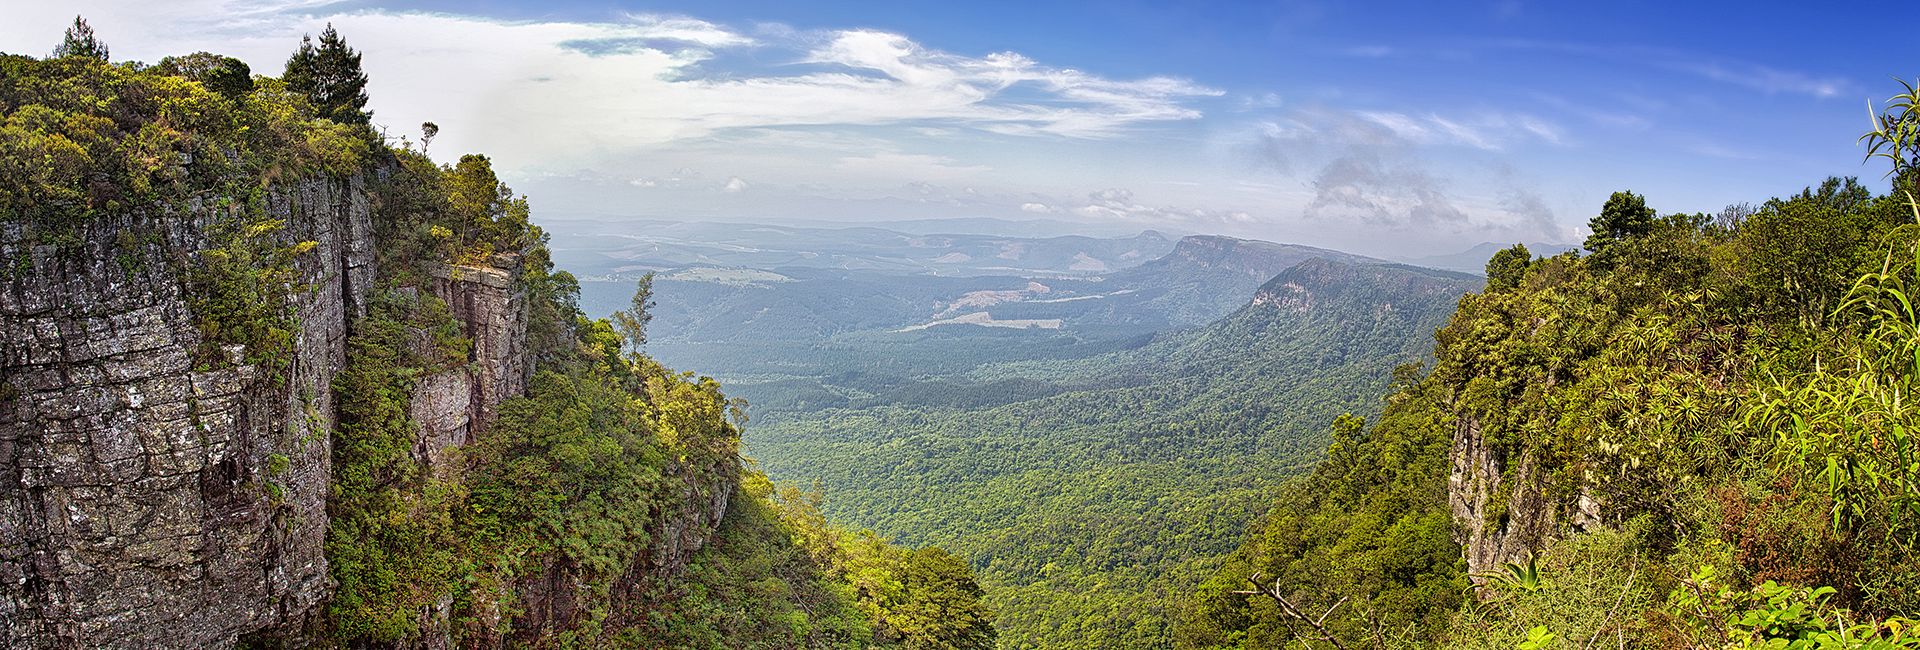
[330, 77]
[939, 606]
[1508, 267]
[427, 132]
[80, 41]
[633, 322]
[1625, 216]
[225, 75]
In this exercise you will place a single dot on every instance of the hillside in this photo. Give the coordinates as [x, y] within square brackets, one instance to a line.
[270, 380]
[1092, 497]
[1693, 436]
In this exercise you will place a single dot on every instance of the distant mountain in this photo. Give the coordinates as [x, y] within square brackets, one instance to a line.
[984, 226]
[1474, 260]
[622, 249]
[1205, 276]
[1056, 476]
[1201, 278]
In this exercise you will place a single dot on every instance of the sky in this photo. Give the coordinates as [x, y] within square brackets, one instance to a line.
[1385, 128]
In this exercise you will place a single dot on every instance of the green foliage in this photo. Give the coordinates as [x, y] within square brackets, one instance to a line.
[771, 577]
[1895, 137]
[578, 475]
[1508, 267]
[777, 575]
[632, 322]
[392, 548]
[1732, 395]
[1589, 591]
[329, 76]
[1771, 615]
[1091, 508]
[1368, 525]
[224, 75]
[79, 138]
[484, 214]
[80, 41]
[1625, 216]
[1539, 638]
[573, 481]
[1516, 576]
[239, 292]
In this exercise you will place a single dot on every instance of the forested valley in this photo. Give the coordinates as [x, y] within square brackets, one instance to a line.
[273, 376]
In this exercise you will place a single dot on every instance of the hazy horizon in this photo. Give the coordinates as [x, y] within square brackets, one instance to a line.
[1395, 130]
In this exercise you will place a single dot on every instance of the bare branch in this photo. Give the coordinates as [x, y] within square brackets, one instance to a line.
[1319, 624]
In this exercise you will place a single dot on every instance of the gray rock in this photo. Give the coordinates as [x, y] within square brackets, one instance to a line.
[134, 507]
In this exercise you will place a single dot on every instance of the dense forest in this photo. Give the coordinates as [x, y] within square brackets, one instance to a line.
[1093, 493]
[1698, 433]
[572, 479]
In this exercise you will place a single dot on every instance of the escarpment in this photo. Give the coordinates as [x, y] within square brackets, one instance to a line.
[152, 494]
[161, 491]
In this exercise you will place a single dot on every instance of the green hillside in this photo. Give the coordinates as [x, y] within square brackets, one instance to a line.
[1698, 434]
[1092, 493]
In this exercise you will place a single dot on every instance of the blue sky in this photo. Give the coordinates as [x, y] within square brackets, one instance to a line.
[1386, 128]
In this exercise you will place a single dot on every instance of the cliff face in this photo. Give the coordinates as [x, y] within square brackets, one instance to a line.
[452, 405]
[152, 499]
[1503, 516]
[146, 500]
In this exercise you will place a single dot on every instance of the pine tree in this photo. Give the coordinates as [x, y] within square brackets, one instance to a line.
[330, 77]
[1625, 216]
[80, 41]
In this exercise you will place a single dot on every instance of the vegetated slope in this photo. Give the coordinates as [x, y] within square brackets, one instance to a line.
[361, 408]
[1698, 435]
[1091, 506]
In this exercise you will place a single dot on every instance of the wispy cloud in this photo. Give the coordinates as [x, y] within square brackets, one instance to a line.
[1760, 77]
[1746, 74]
[1484, 130]
[1369, 51]
[1366, 168]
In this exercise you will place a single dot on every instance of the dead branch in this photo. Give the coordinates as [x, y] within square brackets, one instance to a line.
[1319, 624]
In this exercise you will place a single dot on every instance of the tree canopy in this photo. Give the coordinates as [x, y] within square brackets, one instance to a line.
[330, 77]
[80, 41]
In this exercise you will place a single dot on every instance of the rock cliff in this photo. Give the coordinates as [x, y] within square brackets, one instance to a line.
[1501, 515]
[148, 499]
[451, 405]
[152, 498]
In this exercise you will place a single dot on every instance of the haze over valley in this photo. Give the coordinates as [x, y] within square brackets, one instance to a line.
[403, 325]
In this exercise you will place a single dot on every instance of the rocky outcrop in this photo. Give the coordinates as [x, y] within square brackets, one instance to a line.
[452, 405]
[152, 497]
[149, 498]
[1500, 515]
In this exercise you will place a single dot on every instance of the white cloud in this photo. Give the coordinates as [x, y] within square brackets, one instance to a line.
[1118, 204]
[539, 92]
[1037, 208]
[735, 185]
